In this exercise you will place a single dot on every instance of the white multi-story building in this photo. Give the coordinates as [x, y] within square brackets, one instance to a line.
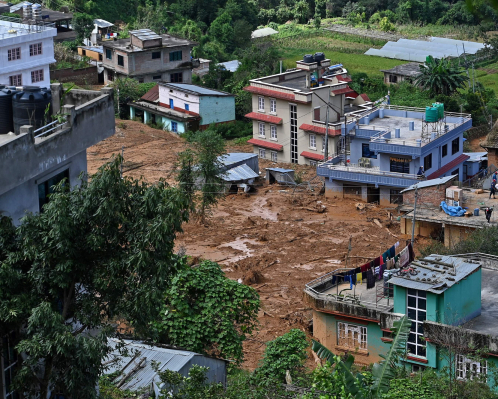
[26, 51]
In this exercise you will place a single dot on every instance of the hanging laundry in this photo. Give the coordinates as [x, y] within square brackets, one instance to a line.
[392, 251]
[370, 279]
[359, 278]
[412, 252]
[381, 271]
[376, 262]
[376, 270]
[385, 256]
[396, 245]
[381, 261]
[334, 279]
[390, 264]
[365, 267]
[404, 257]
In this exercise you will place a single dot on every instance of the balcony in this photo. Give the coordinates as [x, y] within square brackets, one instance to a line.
[366, 175]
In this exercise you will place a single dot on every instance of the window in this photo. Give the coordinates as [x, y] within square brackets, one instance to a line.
[313, 141]
[293, 131]
[187, 107]
[108, 54]
[351, 336]
[46, 188]
[261, 130]
[396, 197]
[416, 311]
[175, 56]
[37, 76]
[176, 77]
[393, 79]
[110, 75]
[261, 103]
[366, 152]
[468, 369]
[15, 80]
[156, 77]
[100, 57]
[174, 127]
[273, 132]
[9, 365]
[428, 162]
[120, 60]
[399, 165]
[273, 106]
[455, 146]
[444, 150]
[14, 54]
[156, 55]
[262, 153]
[171, 103]
[140, 80]
[316, 114]
[273, 156]
[36, 49]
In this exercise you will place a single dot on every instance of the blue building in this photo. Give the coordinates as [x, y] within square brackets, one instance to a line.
[180, 107]
[385, 148]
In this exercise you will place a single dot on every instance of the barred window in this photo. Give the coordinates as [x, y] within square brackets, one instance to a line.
[261, 130]
[468, 369]
[37, 76]
[15, 80]
[14, 54]
[351, 336]
[35, 49]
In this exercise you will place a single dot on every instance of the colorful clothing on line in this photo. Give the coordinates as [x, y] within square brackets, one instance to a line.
[370, 279]
[359, 278]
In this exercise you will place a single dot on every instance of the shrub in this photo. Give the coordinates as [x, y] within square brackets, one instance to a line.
[386, 26]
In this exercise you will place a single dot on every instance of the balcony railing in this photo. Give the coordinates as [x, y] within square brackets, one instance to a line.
[374, 170]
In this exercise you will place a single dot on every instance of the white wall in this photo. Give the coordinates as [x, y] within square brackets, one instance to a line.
[26, 63]
[179, 98]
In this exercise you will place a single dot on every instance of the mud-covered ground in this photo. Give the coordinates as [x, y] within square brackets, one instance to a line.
[273, 239]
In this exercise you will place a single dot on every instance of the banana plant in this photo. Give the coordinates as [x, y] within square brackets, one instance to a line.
[382, 372]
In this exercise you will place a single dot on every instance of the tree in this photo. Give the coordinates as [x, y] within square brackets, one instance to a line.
[126, 90]
[440, 76]
[98, 252]
[301, 11]
[83, 25]
[206, 312]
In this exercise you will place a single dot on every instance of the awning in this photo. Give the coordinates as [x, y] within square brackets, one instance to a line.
[449, 166]
[319, 130]
[264, 118]
[266, 144]
[312, 155]
[273, 94]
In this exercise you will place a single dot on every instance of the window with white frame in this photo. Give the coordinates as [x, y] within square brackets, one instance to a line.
[37, 76]
[15, 80]
[261, 103]
[9, 365]
[273, 106]
[273, 132]
[262, 153]
[273, 156]
[416, 306]
[351, 336]
[35, 49]
[468, 369]
[14, 54]
[261, 130]
[313, 141]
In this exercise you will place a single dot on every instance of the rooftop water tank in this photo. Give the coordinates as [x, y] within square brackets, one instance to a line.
[319, 57]
[440, 109]
[29, 106]
[6, 117]
[431, 114]
[308, 58]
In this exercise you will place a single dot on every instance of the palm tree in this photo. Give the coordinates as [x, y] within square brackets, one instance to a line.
[440, 76]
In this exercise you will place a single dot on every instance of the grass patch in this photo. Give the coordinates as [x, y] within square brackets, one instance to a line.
[413, 31]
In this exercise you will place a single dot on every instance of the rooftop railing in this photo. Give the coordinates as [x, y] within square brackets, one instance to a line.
[374, 170]
[22, 27]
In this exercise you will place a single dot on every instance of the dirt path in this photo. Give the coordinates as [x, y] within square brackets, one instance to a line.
[271, 239]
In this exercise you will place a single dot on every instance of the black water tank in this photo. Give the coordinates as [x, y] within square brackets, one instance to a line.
[308, 58]
[29, 106]
[6, 116]
[319, 57]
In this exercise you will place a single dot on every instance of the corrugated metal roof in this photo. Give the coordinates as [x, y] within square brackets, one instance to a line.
[439, 272]
[235, 157]
[196, 89]
[239, 173]
[281, 170]
[476, 156]
[429, 183]
[263, 32]
[102, 23]
[231, 66]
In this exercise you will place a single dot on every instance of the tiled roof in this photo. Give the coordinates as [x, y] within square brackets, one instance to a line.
[152, 95]
[319, 130]
[344, 78]
[264, 118]
[450, 165]
[312, 155]
[266, 144]
[346, 90]
[365, 97]
[273, 93]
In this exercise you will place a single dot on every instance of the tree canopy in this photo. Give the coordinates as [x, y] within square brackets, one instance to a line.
[440, 76]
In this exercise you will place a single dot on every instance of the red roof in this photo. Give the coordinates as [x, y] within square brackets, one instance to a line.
[319, 130]
[152, 95]
[344, 78]
[312, 155]
[346, 90]
[365, 97]
[272, 93]
[264, 118]
[266, 144]
[449, 166]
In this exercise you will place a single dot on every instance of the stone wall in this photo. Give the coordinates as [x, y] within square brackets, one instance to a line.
[84, 76]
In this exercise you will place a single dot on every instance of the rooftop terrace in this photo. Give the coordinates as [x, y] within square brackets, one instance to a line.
[167, 41]
[12, 27]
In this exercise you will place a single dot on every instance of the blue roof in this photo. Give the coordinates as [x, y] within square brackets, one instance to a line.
[234, 157]
[97, 49]
[203, 91]
[239, 173]
[231, 66]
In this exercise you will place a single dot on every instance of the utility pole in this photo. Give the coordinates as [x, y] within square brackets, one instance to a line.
[326, 153]
[414, 210]
[118, 103]
[122, 160]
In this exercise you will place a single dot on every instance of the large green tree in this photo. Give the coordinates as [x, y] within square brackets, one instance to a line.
[99, 252]
[440, 76]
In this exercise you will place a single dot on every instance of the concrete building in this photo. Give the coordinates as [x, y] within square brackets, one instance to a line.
[26, 52]
[402, 73]
[34, 160]
[149, 57]
[440, 294]
[290, 111]
[136, 367]
[387, 147]
[181, 107]
[477, 162]
[96, 53]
